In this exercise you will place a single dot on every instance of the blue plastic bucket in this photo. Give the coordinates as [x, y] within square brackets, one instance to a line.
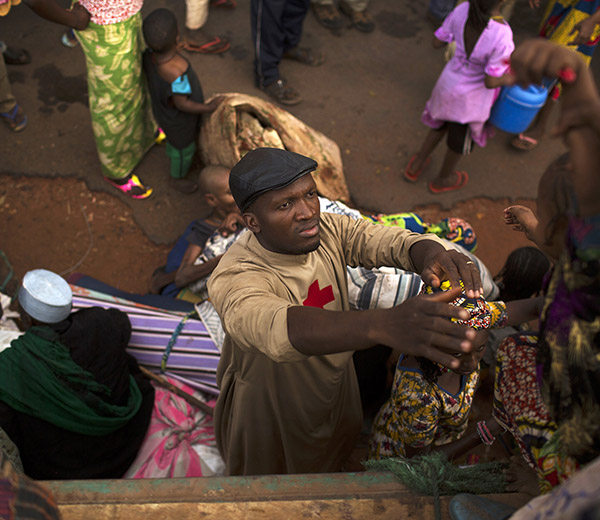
[516, 107]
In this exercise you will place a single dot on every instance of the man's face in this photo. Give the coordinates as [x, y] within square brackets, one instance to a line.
[287, 220]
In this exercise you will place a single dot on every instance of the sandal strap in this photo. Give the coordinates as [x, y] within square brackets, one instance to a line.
[12, 114]
[132, 182]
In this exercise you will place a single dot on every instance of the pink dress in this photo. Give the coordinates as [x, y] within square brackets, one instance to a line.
[460, 94]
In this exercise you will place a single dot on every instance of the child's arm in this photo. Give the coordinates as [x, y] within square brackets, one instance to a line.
[174, 72]
[437, 43]
[460, 446]
[522, 311]
[231, 223]
[77, 17]
[584, 29]
[185, 104]
[188, 273]
[469, 441]
[580, 111]
[495, 82]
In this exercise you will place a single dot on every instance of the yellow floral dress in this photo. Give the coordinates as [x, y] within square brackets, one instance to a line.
[420, 413]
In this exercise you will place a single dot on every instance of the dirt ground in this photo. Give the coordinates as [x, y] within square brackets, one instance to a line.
[58, 213]
[63, 226]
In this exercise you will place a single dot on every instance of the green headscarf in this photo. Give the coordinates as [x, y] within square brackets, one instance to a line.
[39, 377]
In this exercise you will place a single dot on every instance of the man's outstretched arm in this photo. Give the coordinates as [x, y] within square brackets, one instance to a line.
[419, 326]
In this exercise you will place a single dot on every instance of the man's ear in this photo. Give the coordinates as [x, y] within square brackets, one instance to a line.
[211, 199]
[251, 222]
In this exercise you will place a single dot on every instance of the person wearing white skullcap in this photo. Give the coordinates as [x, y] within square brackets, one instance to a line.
[72, 400]
[45, 296]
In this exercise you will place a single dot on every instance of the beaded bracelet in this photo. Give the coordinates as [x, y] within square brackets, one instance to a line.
[484, 433]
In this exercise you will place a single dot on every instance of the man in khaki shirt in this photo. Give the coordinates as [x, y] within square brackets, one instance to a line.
[289, 399]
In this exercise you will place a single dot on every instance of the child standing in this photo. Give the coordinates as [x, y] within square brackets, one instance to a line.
[463, 96]
[176, 93]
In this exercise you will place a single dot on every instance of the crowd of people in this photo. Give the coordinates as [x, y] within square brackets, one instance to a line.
[269, 308]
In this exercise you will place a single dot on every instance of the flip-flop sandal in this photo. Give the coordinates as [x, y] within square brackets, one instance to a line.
[68, 39]
[216, 46]
[14, 56]
[413, 176]
[461, 180]
[305, 56]
[227, 4]
[159, 136]
[15, 119]
[133, 187]
[524, 143]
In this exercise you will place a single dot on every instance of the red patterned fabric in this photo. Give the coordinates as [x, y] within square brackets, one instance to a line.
[107, 12]
[518, 406]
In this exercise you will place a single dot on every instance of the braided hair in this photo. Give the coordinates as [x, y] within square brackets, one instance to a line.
[523, 273]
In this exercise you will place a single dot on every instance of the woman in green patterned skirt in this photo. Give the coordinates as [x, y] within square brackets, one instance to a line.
[110, 35]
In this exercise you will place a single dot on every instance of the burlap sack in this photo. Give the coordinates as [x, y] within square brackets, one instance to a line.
[242, 123]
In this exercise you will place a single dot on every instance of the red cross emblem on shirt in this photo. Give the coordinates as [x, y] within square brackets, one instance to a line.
[318, 297]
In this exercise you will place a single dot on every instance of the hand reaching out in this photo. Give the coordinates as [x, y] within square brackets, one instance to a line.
[81, 15]
[521, 219]
[536, 59]
[421, 326]
[454, 266]
[580, 111]
[231, 223]
[582, 31]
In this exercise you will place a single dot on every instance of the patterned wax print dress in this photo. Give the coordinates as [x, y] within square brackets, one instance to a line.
[120, 107]
[420, 414]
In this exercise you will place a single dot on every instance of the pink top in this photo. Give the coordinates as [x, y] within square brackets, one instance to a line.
[460, 94]
[106, 12]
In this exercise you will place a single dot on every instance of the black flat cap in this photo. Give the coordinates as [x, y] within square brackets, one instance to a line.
[266, 169]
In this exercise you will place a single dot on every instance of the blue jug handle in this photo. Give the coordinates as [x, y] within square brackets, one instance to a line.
[549, 83]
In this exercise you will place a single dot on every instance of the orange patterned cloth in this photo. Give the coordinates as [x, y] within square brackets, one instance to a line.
[5, 6]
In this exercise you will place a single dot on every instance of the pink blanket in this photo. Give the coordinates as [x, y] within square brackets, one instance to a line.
[180, 440]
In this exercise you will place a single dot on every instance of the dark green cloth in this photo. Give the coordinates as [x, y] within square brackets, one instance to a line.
[39, 377]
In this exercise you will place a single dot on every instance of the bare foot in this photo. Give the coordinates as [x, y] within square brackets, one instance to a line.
[521, 478]
[523, 219]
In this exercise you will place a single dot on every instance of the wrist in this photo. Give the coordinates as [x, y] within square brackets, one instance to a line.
[424, 253]
[375, 324]
[499, 313]
[76, 21]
